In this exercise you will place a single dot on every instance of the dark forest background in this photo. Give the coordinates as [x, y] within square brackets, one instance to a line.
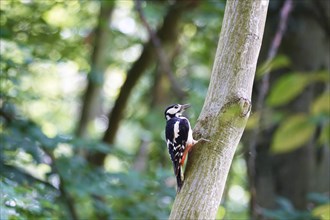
[84, 85]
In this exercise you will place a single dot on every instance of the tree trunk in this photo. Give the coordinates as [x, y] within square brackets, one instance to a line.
[92, 98]
[225, 111]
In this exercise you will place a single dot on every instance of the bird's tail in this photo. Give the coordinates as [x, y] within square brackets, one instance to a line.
[179, 179]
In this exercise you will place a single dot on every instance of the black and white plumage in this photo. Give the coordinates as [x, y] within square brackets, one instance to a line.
[179, 138]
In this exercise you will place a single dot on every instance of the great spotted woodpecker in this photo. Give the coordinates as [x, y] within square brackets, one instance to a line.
[179, 139]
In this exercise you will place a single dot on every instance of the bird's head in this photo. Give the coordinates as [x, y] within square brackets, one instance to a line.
[175, 110]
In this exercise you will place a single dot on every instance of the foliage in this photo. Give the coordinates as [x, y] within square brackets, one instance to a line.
[46, 49]
[286, 210]
[290, 135]
[290, 85]
[293, 130]
[35, 173]
[322, 211]
[279, 62]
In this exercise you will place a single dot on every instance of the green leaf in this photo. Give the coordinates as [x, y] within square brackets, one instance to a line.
[320, 76]
[321, 104]
[286, 89]
[322, 211]
[292, 134]
[278, 62]
[324, 138]
[253, 121]
[221, 212]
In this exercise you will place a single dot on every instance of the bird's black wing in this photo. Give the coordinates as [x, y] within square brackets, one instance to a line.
[173, 147]
[176, 133]
[176, 136]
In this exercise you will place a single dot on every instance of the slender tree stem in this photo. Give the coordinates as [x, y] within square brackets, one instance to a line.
[163, 60]
[263, 90]
[167, 33]
[91, 100]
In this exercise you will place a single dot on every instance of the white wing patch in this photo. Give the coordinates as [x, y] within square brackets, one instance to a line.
[190, 139]
[176, 130]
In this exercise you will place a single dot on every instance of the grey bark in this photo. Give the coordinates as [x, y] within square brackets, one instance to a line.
[225, 111]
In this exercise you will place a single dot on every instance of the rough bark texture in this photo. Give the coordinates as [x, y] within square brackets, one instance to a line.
[225, 111]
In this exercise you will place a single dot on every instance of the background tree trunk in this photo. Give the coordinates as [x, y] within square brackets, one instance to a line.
[167, 34]
[91, 104]
[295, 174]
[225, 111]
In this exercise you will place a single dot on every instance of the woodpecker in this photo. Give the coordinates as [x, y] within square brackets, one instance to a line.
[179, 138]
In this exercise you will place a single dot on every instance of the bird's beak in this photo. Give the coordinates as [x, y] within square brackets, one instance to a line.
[184, 107]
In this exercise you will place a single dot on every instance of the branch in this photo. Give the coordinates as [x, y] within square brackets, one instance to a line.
[68, 200]
[263, 90]
[163, 60]
[167, 34]
[23, 175]
[66, 197]
[225, 111]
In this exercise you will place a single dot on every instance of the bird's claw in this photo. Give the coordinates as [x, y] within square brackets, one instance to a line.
[203, 139]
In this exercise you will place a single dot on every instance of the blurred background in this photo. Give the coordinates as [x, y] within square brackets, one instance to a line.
[84, 85]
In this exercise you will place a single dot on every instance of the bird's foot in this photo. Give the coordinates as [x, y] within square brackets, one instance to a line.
[203, 139]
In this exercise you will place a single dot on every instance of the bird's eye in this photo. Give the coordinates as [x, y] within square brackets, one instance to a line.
[176, 106]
